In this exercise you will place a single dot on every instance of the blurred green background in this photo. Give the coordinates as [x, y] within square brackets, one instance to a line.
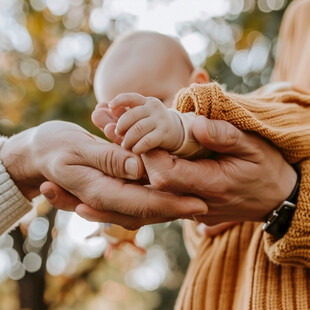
[49, 50]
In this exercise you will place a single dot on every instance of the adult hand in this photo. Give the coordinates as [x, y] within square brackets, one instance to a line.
[81, 170]
[64, 152]
[246, 180]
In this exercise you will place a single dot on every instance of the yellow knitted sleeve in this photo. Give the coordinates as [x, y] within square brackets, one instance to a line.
[284, 119]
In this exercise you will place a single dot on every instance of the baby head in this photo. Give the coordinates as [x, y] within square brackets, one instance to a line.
[148, 63]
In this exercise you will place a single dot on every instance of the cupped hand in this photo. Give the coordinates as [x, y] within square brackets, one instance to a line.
[128, 205]
[67, 154]
[85, 173]
[246, 180]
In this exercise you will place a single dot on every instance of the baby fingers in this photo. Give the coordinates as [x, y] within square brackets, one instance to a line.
[129, 118]
[137, 132]
[103, 116]
[148, 142]
[127, 100]
[109, 132]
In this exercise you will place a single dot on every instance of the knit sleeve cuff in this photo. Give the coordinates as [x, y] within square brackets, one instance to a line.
[190, 145]
[283, 119]
[294, 247]
[13, 205]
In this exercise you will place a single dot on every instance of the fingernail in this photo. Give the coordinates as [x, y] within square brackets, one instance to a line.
[131, 167]
[49, 194]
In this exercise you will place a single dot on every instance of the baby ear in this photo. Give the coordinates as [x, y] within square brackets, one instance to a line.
[199, 75]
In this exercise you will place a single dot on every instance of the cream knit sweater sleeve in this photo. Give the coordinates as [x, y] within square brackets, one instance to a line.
[190, 146]
[282, 118]
[13, 205]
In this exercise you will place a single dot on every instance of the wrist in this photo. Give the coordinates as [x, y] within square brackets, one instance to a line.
[16, 157]
[290, 178]
[281, 189]
[278, 222]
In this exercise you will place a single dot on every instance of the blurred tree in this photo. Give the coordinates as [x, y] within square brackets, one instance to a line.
[49, 50]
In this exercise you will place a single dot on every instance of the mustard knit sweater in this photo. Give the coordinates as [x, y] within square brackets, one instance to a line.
[244, 268]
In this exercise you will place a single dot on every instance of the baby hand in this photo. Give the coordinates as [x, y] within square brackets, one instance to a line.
[147, 125]
[106, 120]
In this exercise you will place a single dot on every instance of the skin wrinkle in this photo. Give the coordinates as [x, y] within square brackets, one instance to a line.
[84, 152]
[161, 180]
[146, 210]
[115, 168]
[156, 113]
[138, 127]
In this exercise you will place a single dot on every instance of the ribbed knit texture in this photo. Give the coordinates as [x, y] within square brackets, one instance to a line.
[13, 205]
[244, 268]
[283, 118]
[233, 268]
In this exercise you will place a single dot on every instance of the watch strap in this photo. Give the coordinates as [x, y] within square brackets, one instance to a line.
[279, 221]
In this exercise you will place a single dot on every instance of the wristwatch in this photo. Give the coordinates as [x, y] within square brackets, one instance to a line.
[279, 221]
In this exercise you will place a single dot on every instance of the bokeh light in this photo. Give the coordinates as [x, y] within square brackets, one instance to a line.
[32, 262]
[58, 7]
[151, 273]
[38, 5]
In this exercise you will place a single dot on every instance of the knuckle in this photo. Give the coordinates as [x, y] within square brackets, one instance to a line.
[131, 115]
[110, 162]
[231, 136]
[220, 191]
[260, 148]
[63, 160]
[146, 142]
[138, 128]
[159, 180]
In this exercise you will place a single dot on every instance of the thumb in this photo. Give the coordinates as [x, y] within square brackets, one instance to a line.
[112, 160]
[222, 137]
[58, 197]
